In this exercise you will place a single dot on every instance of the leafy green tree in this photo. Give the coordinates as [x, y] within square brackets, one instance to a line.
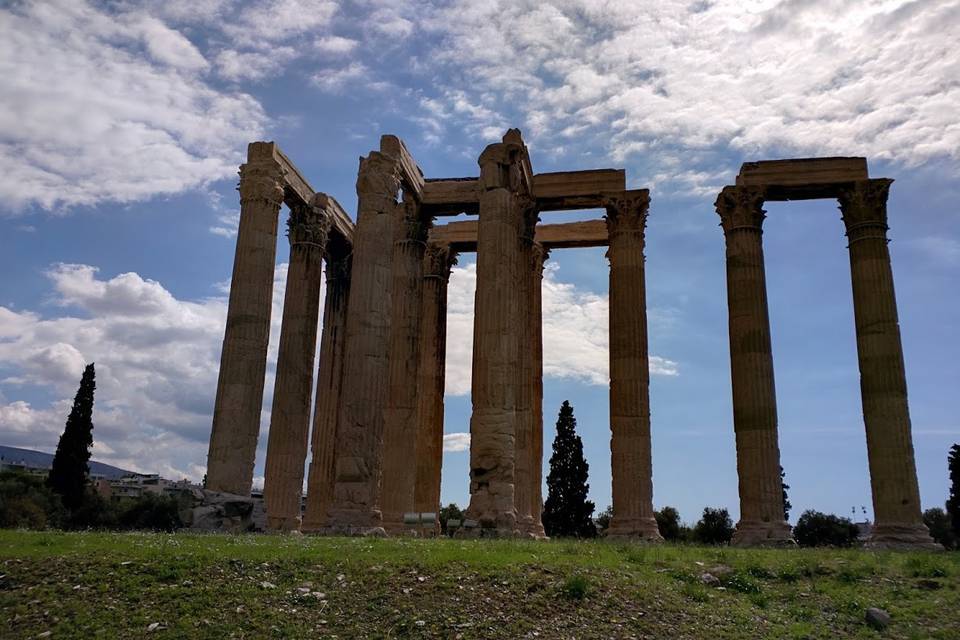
[451, 511]
[567, 512]
[715, 527]
[815, 529]
[668, 522]
[953, 502]
[27, 503]
[786, 500]
[938, 522]
[602, 521]
[151, 512]
[69, 474]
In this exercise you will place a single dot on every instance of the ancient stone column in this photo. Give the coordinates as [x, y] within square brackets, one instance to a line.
[308, 227]
[751, 370]
[631, 462]
[320, 477]
[523, 290]
[505, 183]
[356, 501]
[535, 336]
[883, 385]
[236, 413]
[400, 416]
[429, 453]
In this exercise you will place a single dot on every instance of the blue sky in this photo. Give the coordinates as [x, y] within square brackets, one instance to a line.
[123, 124]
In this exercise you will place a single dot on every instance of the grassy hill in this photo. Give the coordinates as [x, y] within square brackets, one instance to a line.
[98, 585]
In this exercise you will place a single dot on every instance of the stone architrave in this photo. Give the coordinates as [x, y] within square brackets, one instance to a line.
[400, 416]
[320, 477]
[883, 385]
[630, 448]
[751, 370]
[538, 255]
[236, 414]
[506, 194]
[308, 228]
[355, 508]
[437, 262]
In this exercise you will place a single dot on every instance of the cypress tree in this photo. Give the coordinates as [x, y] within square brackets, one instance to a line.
[567, 512]
[70, 471]
[953, 502]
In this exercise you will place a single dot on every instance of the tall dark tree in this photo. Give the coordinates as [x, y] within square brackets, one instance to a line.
[953, 502]
[786, 500]
[70, 472]
[567, 512]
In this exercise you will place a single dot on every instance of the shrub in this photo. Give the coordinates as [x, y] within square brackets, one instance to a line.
[576, 588]
[815, 529]
[715, 527]
[941, 528]
[602, 520]
[668, 522]
[451, 511]
[151, 512]
[26, 502]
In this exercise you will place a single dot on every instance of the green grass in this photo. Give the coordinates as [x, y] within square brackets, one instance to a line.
[99, 585]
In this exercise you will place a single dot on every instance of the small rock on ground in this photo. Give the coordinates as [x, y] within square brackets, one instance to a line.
[877, 618]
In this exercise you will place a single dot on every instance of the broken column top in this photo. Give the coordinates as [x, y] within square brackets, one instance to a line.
[802, 178]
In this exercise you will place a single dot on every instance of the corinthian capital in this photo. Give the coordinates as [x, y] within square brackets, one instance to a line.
[864, 203]
[309, 224]
[437, 260]
[741, 208]
[627, 211]
[261, 182]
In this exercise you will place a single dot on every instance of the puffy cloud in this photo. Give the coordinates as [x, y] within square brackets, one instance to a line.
[88, 117]
[456, 442]
[575, 332]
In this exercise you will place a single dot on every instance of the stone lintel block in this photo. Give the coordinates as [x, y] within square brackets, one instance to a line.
[803, 178]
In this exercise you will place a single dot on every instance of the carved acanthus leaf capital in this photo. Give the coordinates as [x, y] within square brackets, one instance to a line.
[309, 224]
[538, 256]
[627, 211]
[338, 267]
[412, 225]
[261, 182]
[741, 207]
[864, 203]
[438, 259]
[378, 182]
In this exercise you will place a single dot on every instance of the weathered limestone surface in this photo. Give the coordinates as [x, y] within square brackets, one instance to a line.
[522, 290]
[400, 417]
[321, 475]
[437, 262]
[236, 414]
[308, 228]
[462, 235]
[883, 385]
[506, 180]
[535, 337]
[631, 460]
[356, 501]
[751, 364]
[802, 171]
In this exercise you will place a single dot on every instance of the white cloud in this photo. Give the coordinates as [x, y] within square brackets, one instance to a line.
[87, 117]
[575, 332]
[335, 79]
[156, 356]
[938, 249]
[335, 45]
[456, 442]
[765, 76]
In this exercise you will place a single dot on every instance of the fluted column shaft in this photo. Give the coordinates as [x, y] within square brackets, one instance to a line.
[535, 337]
[429, 447]
[751, 368]
[320, 478]
[236, 414]
[504, 199]
[356, 500]
[631, 460]
[400, 417]
[308, 227]
[883, 385]
[523, 290]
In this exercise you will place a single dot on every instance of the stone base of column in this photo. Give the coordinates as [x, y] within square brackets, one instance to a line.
[755, 533]
[283, 524]
[903, 537]
[485, 532]
[639, 529]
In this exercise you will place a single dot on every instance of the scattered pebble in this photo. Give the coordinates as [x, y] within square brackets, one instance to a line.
[877, 618]
[710, 580]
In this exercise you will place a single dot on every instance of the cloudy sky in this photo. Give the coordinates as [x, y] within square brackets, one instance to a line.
[122, 125]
